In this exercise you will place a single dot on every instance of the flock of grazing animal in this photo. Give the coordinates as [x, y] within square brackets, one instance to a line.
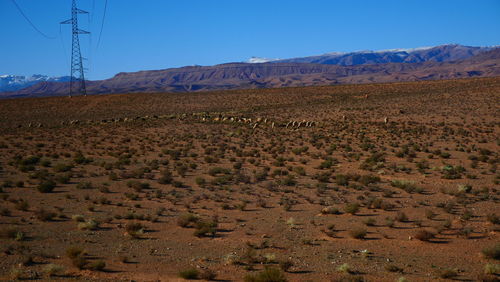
[203, 117]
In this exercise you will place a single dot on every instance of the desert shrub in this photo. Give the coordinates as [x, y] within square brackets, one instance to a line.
[375, 161]
[31, 160]
[74, 251]
[464, 188]
[205, 228]
[219, 171]
[408, 186]
[452, 172]
[285, 265]
[11, 233]
[27, 261]
[300, 150]
[43, 215]
[79, 262]
[330, 210]
[358, 233]
[351, 208]
[79, 158]
[181, 170]
[113, 176]
[97, 265]
[5, 212]
[368, 179]
[187, 219]
[345, 268]
[424, 235]
[61, 167]
[7, 184]
[370, 222]
[493, 218]
[323, 177]
[200, 181]
[299, 170]
[492, 268]
[341, 179]
[492, 252]
[326, 164]
[191, 273]
[445, 155]
[393, 268]
[222, 180]
[124, 259]
[165, 177]
[178, 184]
[269, 258]
[90, 224]
[401, 217]
[211, 160]
[134, 229]
[429, 214]
[63, 178]
[467, 215]
[78, 218]
[132, 196]
[386, 206]
[260, 175]
[374, 203]
[448, 273]
[389, 222]
[208, 275]
[16, 273]
[288, 181]
[53, 270]
[84, 185]
[46, 186]
[137, 185]
[269, 274]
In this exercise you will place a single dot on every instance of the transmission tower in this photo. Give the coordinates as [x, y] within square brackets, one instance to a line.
[77, 81]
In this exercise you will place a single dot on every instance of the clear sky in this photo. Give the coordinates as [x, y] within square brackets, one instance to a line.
[159, 34]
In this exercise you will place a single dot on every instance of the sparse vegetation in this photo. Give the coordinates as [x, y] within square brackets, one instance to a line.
[269, 274]
[189, 274]
[192, 182]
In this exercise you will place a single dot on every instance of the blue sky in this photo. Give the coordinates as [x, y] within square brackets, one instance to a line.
[158, 34]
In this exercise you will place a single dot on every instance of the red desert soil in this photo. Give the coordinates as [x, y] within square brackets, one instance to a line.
[339, 183]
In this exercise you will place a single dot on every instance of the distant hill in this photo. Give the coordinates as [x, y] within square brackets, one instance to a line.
[443, 53]
[438, 65]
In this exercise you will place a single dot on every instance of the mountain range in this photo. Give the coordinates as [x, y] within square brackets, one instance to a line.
[440, 62]
[18, 82]
[443, 53]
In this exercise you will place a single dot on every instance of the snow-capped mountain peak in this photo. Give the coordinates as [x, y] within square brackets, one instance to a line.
[259, 60]
[17, 82]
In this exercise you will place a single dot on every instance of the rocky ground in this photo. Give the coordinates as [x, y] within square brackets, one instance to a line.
[378, 182]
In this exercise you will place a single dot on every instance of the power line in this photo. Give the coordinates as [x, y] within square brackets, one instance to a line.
[92, 11]
[30, 22]
[102, 23]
